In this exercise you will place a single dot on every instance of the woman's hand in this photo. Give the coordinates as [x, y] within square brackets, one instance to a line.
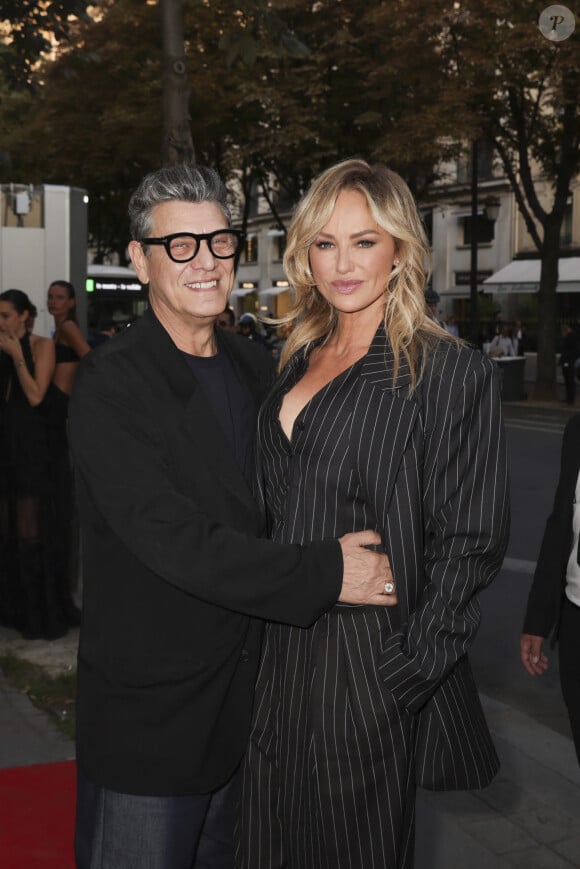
[10, 344]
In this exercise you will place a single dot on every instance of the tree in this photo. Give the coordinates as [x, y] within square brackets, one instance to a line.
[177, 146]
[29, 30]
[499, 79]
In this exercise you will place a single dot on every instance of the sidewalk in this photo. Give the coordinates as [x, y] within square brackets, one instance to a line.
[528, 817]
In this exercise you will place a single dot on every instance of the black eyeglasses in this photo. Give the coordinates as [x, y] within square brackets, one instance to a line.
[182, 247]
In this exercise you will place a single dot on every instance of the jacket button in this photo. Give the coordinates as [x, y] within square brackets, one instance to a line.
[244, 656]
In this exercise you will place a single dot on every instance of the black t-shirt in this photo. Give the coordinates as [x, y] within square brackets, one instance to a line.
[228, 398]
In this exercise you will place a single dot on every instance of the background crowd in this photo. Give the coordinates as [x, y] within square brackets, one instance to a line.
[38, 546]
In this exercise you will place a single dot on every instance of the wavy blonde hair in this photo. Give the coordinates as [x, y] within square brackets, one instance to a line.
[411, 332]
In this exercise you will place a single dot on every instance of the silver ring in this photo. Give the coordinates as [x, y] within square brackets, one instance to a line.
[389, 587]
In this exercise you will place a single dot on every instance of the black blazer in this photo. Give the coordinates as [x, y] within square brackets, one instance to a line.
[430, 467]
[172, 570]
[547, 590]
[434, 473]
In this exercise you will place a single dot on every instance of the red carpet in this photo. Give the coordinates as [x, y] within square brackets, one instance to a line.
[37, 808]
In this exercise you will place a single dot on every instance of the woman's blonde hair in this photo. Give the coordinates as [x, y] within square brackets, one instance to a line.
[409, 328]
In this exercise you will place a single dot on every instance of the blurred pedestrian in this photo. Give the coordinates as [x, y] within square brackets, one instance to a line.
[248, 327]
[227, 320]
[553, 606]
[69, 342]
[502, 344]
[569, 353]
[106, 329]
[70, 346]
[519, 338]
[27, 593]
[451, 326]
[432, 300]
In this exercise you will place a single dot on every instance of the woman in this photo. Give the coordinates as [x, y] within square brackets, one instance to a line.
[26, 369]
[379, 418]
[70, 346]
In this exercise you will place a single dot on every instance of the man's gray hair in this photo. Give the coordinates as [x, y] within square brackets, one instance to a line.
[181, 183]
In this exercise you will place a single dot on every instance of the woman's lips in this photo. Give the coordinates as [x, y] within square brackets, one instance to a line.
[346, 287]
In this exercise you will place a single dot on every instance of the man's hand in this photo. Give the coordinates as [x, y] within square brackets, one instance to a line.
[531, 654]
[366, 573]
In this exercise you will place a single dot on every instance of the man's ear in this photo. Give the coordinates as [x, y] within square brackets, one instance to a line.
[140, 261]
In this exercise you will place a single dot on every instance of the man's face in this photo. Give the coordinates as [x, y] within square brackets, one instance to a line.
[184, 294]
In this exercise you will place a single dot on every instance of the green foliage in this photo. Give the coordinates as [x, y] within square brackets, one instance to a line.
[30, 30]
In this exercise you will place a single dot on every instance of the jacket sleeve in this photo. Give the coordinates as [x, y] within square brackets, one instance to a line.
[549, 576]
[466, 527]
[122, 465]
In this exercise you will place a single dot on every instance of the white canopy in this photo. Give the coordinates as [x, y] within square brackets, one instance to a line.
[523, 276]
[240, 292]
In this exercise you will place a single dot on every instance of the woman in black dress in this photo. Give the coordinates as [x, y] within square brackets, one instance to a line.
[26, 368]
[70, 346]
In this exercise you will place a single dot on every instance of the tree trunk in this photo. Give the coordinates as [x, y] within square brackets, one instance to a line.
[177, 145]
[547, 309]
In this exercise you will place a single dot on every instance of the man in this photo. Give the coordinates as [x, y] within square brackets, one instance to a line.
[432, 300]
[569, 352]
[227, 319]
[161, 425]
[553, 605]
[248, 327]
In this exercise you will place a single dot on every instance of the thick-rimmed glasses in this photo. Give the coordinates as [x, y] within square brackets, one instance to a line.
[182, 247]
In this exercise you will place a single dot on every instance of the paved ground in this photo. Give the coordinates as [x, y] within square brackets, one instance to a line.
[529, 817]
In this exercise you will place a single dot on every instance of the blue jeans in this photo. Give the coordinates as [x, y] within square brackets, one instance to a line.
[124, 831]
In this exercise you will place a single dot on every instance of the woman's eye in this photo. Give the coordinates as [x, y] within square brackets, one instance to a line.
[366, 242]
[323, 245]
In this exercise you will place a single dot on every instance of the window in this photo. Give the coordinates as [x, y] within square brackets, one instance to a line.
[485, 229]
[251, 249]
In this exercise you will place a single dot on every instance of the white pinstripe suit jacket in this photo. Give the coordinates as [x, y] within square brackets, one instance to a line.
[433, 469]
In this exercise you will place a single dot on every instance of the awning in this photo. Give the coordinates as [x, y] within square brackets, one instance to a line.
[523, 276]
[240, 292]
[274, 291]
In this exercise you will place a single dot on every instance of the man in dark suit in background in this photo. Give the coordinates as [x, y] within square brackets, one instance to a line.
[554, 599]
[569, 352]
[161, 427]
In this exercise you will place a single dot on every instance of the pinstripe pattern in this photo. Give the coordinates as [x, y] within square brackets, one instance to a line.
[349, 711]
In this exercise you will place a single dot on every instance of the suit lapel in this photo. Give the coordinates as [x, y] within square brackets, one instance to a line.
[382, 425]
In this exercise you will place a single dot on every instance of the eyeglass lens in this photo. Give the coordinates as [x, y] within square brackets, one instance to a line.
[221, 244]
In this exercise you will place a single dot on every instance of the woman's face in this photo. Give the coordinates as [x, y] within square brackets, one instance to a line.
[352, 257]
[58, 301]
[10, 320]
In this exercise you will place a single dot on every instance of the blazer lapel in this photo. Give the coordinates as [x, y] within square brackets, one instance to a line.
[382, 425]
